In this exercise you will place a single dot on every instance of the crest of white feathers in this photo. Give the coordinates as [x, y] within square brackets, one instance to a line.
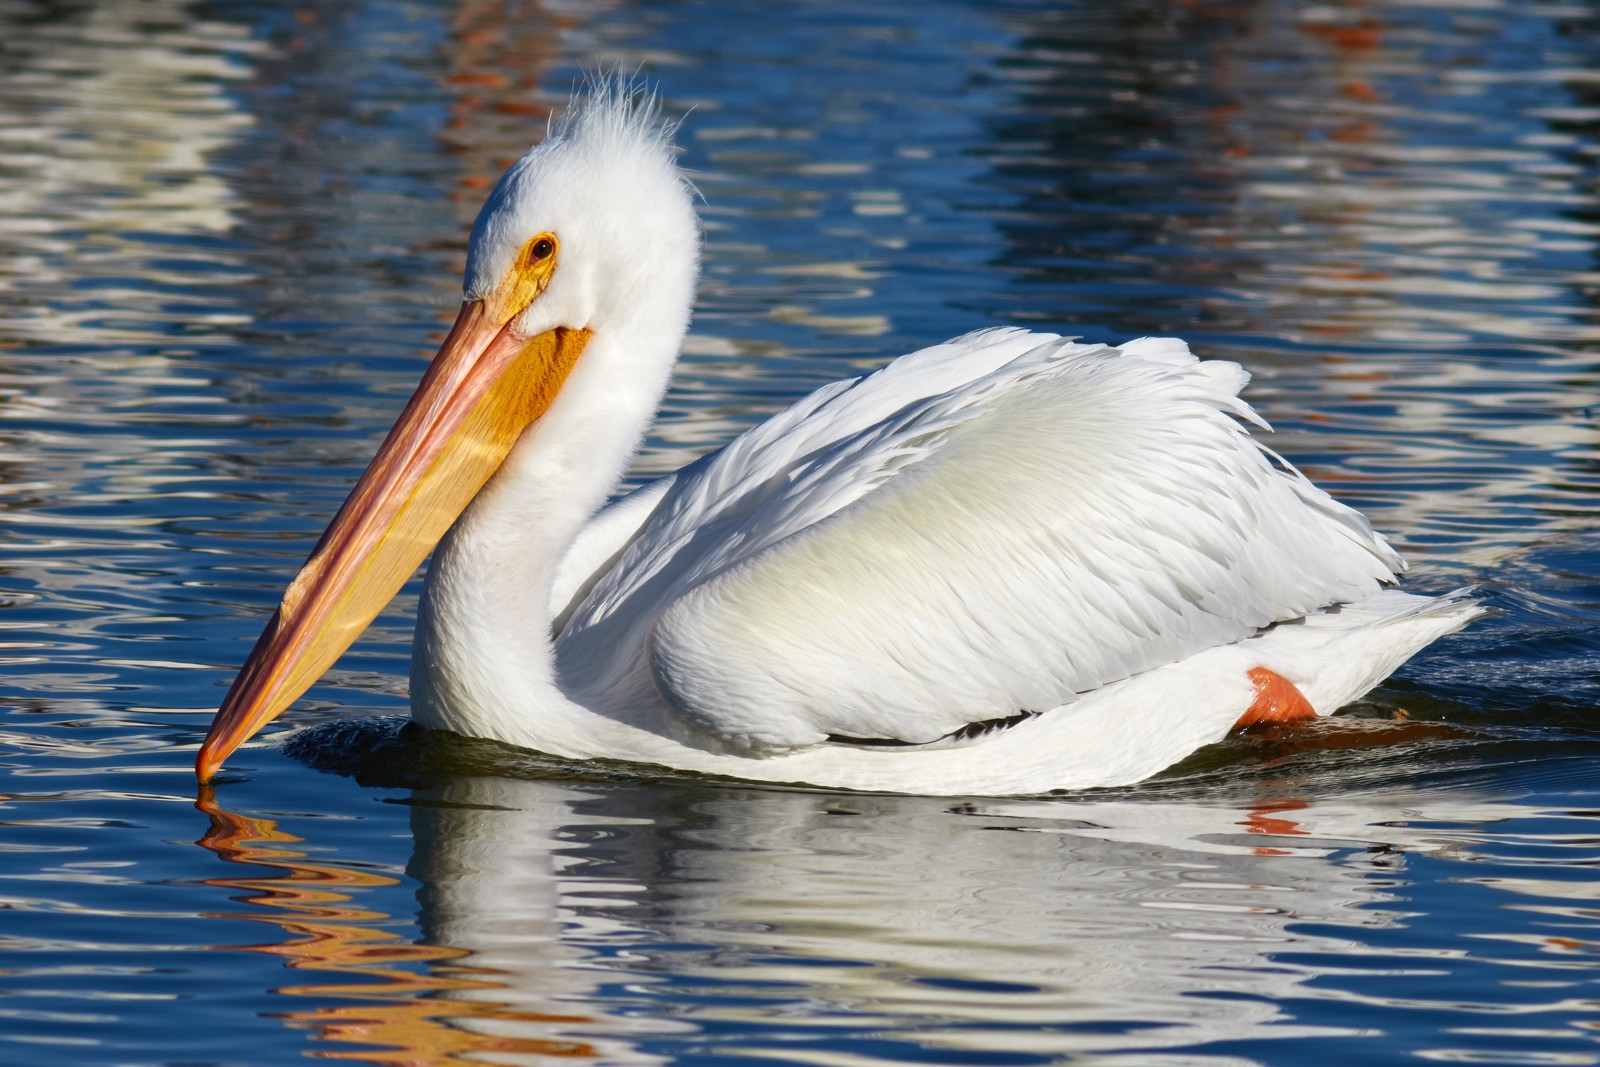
[610, 147]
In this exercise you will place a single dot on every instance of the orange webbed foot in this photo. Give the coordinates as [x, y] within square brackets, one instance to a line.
[1278, 700]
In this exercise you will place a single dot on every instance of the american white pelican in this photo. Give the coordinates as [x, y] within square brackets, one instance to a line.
[1005, 564]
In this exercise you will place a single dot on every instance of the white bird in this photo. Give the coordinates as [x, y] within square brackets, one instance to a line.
[1006, 564]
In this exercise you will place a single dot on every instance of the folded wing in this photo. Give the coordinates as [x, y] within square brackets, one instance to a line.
[976, 531]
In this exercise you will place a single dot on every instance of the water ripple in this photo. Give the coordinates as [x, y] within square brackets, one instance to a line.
[231, 231]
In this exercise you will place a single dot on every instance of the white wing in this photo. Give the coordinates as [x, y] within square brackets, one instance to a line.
[981, 529]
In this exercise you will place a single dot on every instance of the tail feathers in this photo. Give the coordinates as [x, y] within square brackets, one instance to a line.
[1337, 655]
[1393, 606]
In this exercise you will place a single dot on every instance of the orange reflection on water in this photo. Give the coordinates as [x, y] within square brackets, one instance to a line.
[402, 1012]
[1264, 818]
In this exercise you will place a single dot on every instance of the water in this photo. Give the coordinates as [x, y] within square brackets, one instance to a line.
[229, 234]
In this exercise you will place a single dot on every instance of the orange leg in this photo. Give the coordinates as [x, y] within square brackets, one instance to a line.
[1277, 700]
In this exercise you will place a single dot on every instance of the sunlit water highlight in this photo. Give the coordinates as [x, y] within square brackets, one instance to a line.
[229, 232]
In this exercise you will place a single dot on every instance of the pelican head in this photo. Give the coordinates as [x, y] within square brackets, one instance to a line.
[585, 241]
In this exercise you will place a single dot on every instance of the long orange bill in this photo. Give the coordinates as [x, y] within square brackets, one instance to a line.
[482, 390]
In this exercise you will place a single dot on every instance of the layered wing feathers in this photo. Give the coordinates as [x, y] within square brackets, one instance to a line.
[988, 527]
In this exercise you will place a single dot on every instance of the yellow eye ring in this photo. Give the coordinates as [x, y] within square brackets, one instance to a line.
[541, 248]
[527, 278]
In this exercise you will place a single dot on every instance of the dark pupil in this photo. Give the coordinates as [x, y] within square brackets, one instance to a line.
[541, 249]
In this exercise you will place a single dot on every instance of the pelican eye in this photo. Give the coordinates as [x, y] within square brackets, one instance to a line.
[530, 273]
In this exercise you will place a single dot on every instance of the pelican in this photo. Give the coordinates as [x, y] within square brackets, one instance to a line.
[1005, 564]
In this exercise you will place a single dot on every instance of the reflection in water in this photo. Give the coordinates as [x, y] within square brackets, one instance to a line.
[1324, 182]
[89, 188]
[116, 268]
[412, 1018]
[1041, 927]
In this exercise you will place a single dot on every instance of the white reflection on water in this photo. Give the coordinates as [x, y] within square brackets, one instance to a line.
[112, 112]
[114, 266]
[573, 917]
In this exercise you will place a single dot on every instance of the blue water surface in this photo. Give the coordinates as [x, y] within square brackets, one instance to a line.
[231, 233]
